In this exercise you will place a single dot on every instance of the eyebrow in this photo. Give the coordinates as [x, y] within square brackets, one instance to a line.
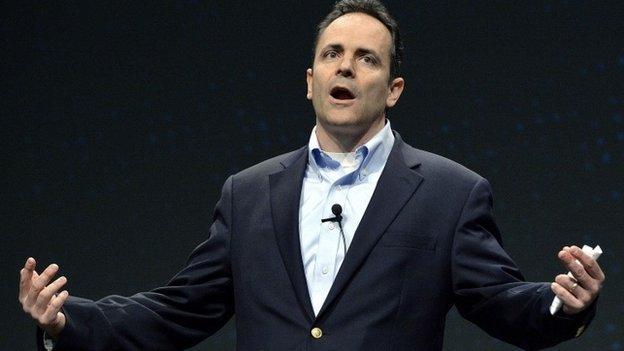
[360, 51]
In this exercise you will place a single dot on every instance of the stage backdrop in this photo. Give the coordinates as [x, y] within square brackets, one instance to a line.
[121, 121]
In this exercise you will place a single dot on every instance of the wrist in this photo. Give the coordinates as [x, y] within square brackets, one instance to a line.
[53, 331]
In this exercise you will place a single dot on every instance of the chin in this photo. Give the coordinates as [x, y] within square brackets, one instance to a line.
[343, 126]
[342, 119]
[338, 122]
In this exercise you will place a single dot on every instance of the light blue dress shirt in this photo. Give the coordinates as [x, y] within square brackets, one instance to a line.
[345, 179]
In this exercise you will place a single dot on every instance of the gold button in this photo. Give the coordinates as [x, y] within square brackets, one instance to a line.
[579, 331]
[316, 333]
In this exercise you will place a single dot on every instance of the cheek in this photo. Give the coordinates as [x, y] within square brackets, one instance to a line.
[377, 94]
[317, 89]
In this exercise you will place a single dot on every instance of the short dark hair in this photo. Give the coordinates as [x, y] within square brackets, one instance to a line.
[375, 9]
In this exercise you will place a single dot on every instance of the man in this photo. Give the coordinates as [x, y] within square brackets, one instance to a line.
[356, 242]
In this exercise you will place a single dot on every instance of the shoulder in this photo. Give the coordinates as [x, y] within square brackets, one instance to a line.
[448, 184]
[440, 170]
[271, 165]
[445, 178]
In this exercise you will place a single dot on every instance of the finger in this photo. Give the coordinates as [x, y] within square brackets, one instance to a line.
[576, 268]
[53, 309]
[39, 284]
[591, 266]
[26, 274]
[30, 264]
[574, 288]
[46, 295]
[33, 278]
[566, 297]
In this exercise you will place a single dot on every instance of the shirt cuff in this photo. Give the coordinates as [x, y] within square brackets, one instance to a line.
[48, 342]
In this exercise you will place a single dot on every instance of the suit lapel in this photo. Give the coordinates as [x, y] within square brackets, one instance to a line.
[395, 187]
[285, 189]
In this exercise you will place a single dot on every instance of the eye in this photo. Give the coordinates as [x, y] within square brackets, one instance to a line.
[330, 54]
[369, 59]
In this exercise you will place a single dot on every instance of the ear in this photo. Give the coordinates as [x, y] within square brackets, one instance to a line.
[309, 81]
[394, 91]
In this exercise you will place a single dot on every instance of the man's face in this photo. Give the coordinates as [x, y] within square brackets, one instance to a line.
[349, 82]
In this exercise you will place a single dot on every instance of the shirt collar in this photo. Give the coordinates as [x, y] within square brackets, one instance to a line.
[372, 155]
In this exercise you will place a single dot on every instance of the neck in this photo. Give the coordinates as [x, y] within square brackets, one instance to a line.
[337, 139]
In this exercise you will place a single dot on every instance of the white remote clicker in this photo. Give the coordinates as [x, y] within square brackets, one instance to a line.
[593, 253]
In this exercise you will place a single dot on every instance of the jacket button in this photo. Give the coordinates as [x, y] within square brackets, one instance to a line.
[316, 332]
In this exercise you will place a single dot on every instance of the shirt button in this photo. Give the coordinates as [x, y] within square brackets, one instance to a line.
[331, 226]
[325, 270]
[316, 332]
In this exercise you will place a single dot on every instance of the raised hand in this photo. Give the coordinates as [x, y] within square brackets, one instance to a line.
[40, 299]
[579, 292]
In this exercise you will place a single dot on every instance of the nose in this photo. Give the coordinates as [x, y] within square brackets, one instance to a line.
[345, 68]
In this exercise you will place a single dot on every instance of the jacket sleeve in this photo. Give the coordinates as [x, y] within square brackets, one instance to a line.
[195, 303]
[491, 292]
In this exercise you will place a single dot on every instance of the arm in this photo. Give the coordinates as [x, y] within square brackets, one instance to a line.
[491, 292]
[195, 303]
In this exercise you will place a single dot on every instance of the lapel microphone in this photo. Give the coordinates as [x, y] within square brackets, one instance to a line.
[337, 211]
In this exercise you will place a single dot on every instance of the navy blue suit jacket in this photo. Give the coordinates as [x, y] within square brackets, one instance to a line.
[427, 241]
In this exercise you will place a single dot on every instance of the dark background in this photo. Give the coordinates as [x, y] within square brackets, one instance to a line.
[122, 120]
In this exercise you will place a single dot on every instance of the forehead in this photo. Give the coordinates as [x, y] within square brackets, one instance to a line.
[357, 30]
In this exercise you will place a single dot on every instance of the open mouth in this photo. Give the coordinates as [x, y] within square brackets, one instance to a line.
[341, 93]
